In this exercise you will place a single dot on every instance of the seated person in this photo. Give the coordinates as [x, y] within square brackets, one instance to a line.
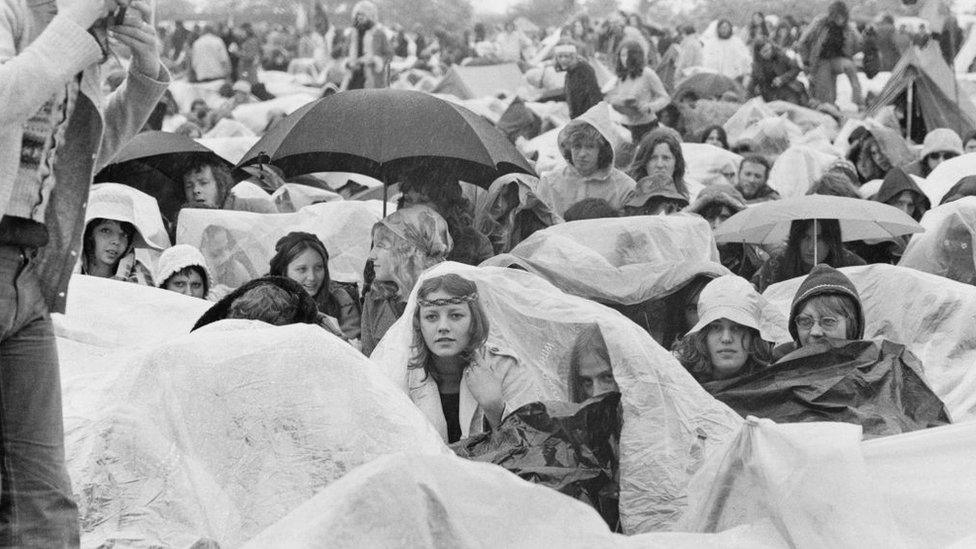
[303, 258]
[273, 299]
[899, 190]
[810, 242]
[512, 212]
[716, 204]
[108, 251]
[829, 373]
[206, 184]
[752, 180]
[182, 269]
[474, 383]
[725, 342]
[655, 195]
[587, 145]
[590, 370]
[590, 208]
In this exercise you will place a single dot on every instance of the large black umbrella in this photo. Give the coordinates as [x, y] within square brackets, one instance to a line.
[154, 162]
[382, 132]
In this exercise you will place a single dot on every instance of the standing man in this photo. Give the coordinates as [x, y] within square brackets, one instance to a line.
[56, 130]
[581, 86]
[369, 50]
[827, 48]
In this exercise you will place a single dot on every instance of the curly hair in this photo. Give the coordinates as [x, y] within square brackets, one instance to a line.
[455, 286]
[581, 133]
[221, 174]
[638, 166]
[692, 352]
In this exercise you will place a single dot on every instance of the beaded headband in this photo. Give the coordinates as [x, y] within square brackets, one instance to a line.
[448, 300]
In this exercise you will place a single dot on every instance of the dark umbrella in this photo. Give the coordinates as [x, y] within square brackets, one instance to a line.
[154, 162]
[708, 85]
[382, 132]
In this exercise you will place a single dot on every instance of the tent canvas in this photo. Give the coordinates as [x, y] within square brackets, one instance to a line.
[481, 81]
[943, 103]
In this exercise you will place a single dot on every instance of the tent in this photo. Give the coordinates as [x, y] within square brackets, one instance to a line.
[942, 102]
[481, 81]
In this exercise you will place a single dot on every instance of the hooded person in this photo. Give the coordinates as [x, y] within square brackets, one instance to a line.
[725, 53]
[368, 47]
[726, 341]
[876, 150]
[939, 145]
[587, 144]
[655, 195]
[513, 211]
[900, 190]
[830, 373]
[273, 299]
[405, 244]
[716, 203]
[182, 269]
[946, 248]
[112, 234]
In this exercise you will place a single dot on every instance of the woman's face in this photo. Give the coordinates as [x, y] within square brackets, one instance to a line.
[905, 201]
[938, 157]
[816, 329]
[186, 284]
[585, 157]
[714, 138]
[970, 146]
[757, 18]
[878, 156]
[110, 242]
[724, 29]
[307, 269]
[662, 161]
[446, 328]
[728, 343]
[382, 258]
[813, 248]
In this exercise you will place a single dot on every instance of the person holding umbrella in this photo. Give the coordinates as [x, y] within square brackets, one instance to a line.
[811, 242]
[405, 244]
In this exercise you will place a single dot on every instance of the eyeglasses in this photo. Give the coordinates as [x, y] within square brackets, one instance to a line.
[942, 155]
[806, 323]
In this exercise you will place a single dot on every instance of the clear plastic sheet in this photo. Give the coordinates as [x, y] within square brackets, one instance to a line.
[219, 433]
[935, 318]
[704, 161]
[946, 248]
[670, 424]
[797, 168]
[239, 245]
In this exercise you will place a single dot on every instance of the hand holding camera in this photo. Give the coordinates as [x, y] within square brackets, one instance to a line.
[86, 12]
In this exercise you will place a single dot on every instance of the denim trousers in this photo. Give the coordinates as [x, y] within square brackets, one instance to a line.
[36, 504]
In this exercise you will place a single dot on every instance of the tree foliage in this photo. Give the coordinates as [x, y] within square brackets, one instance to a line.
[739, 11]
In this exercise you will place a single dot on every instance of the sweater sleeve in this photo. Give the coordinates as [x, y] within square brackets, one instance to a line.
[660, 97]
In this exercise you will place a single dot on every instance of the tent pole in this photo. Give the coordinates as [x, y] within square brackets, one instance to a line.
[816, 241]
[909, 110]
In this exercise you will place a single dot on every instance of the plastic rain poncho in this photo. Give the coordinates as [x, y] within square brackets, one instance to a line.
[670, 423]
[935, 318]
[239, 245]
[946, 248]
[797, 168]
[505, 230]
[218, 433]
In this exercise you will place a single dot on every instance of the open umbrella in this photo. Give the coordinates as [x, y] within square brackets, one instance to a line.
[769, 222]
[153, 162]
[708, 85]
[382, 132]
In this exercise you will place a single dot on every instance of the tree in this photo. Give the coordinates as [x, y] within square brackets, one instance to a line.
[545, 13]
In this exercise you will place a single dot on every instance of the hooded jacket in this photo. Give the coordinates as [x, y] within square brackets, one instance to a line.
[825, 280]
[897, 182]
[526, 216]
[563, 187]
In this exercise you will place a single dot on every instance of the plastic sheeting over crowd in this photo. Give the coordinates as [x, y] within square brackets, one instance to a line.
[175, 438]
[670, 424]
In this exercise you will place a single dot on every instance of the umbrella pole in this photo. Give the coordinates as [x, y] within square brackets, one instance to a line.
[909, 111]
[384, 197]
[816, 240]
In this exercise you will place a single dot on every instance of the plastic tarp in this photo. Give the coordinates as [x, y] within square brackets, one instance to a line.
[748, 113]
[797, 168]
[625, 260]
[669, 422]
[946, 175]
[943, 103]
[173, 437]
[935, 318]
[482, 81]
[806, 119]
[144, 213]
[946, 247]
[408, 501]
[818, 384]
[771, 136]
[255, 116]
[240, 245]
[703, 161]
[292, 197]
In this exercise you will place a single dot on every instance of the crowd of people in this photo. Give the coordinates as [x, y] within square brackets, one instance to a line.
[624, 150]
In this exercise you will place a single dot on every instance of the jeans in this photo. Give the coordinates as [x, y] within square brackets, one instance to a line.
[36, 504]
[823, 81]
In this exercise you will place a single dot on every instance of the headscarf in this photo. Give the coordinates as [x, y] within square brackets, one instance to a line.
[422, 227]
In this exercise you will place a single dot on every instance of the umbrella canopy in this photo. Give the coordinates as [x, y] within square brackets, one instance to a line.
[769, 222]
[708, 85]
[381, 132]
[153, 162]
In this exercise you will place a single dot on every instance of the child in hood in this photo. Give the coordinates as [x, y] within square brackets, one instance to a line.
[111, 237]
[587, 144]
[182, 269]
